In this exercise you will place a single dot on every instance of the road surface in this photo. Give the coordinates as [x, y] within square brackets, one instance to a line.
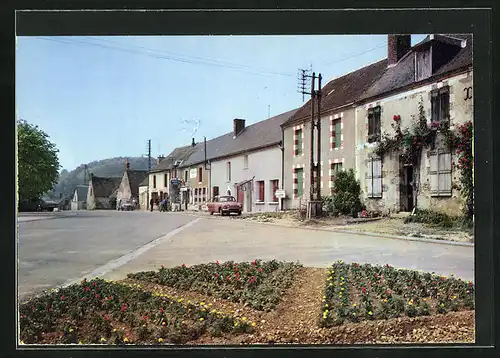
[65, 246]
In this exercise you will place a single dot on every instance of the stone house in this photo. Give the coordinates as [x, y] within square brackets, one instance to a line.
[247, 163]
[101, 192]
[79, 199]
[437, 73]
[128, 191]
[337, 134]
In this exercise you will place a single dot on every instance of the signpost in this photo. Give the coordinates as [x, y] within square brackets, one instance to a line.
[280, 193]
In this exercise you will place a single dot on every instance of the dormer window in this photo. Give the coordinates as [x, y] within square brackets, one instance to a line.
[423, 63]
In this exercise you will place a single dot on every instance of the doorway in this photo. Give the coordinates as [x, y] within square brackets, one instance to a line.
[406, 188]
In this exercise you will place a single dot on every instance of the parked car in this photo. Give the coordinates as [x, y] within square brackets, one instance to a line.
[224, 205]
[37, 205]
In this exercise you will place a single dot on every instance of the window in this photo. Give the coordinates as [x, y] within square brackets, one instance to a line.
[274, 185]
[204, 190]
[298, 142]
[245, 162]
[186, 176]
[334, 169]
[215, 191]
[374, 177]
[154, 181]
[440, 173]
[336, 132]
[440, 104]
[299, 182]
[195, 195]
[374, 124]
[228, 174]
[260, 191]
[165, 180]
[200, 174]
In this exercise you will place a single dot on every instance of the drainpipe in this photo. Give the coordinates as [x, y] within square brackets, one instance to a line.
[282, 147]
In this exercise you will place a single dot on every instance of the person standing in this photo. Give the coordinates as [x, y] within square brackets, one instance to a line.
[151, 202]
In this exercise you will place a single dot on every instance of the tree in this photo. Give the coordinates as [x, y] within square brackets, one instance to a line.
[346, 193]
[38, 163]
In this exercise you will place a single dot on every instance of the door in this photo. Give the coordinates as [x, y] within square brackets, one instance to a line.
[406, 188]
[300, 181]
[240, 195]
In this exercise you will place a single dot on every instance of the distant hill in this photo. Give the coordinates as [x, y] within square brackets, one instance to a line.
[112, 167]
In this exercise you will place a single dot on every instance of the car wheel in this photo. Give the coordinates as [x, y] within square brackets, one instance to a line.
[239, 213]
[211, 212]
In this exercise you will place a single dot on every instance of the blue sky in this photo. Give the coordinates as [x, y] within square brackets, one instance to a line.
[101, 97]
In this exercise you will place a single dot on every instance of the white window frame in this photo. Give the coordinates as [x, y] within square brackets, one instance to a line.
[439, 169]
[371, 176]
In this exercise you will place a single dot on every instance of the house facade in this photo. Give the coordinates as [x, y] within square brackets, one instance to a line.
[143, 194]
[432, 79]
[338, 129]
[101, 193]
[247, 163]
[79, 199]
[128, 191]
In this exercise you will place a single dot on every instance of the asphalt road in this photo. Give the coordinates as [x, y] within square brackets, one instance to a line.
[61, 247]
[54, 248]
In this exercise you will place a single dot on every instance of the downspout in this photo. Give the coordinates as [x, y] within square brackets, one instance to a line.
[282, 147]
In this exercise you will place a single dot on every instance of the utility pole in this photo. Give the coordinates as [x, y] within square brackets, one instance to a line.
[149, 171]
[311, 181]
[318, 125]
[314, 205]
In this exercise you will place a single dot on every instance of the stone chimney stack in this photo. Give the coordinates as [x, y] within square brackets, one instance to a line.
[159, 159]
[238, 126]
[397, 47]
[127, 164]
[193, 143]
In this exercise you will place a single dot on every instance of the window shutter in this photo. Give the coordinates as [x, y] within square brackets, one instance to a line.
[377, 178]
[369, 178]
[434, 173]
[445, 174]
[370, 122]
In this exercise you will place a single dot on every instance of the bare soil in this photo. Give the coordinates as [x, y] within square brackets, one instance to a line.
[295, 320]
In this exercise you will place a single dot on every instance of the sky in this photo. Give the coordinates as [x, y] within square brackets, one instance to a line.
[102, 97]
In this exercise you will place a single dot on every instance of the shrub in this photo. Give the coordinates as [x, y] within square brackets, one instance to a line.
[441, 220]
[345, 194]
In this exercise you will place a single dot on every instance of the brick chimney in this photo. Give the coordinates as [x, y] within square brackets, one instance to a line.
[238, 126]
[127, 164]
[193, 143]
[159, 159]
[397, 47]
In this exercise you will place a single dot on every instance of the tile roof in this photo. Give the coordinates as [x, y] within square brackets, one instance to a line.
[343, 90]
[258, 135]
[81, 192]
[105, 187]
[180, 153]
[403, 73]
[135, 177]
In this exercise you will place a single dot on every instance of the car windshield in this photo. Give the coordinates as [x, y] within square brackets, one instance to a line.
[224, 199]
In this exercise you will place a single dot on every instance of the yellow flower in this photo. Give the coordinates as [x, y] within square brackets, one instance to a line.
[370, 313]
[189, 301]
[103, 339]
[385, 299]
[454, 297]
[71, 330]
[342, 288]
[236, 324]
[209, 305]
[425, 299]
[340, 262]
[323, 300]
[324, 297]
[202, 303]
[80, 342]
[254, 324]
[160, 340]
[163, 323]
[354, 305]
[202, 319]
[114, 330]
[125, 339]
[326, 304]
[354, 314]
[21, 342]
[244, 319]
[442, 304]
[331, 284]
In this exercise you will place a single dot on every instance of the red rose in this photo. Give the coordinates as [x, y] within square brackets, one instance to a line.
[363, 289]
[124, 307]
[259, 269]
[228, 278]
[106, 317]
[62, 298]
[217, 275]
[162, 267]
[217, 262]
[162, 310]
[87, 289]
[97, 296]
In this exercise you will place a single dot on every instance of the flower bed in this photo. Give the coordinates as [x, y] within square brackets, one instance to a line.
[101, 312]
[258, 284]
[365, 292]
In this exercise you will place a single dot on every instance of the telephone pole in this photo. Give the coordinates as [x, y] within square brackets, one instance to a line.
[314, 207]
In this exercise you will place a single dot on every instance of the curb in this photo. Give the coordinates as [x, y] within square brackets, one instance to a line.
[364, 233]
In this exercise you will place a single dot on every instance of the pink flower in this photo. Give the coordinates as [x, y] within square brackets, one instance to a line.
[87, 289]
[106, 317]
[217, 262]
[363, 289]
[259, 269]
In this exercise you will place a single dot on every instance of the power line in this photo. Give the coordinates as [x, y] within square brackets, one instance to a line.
[171, 58]
[355, 54]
